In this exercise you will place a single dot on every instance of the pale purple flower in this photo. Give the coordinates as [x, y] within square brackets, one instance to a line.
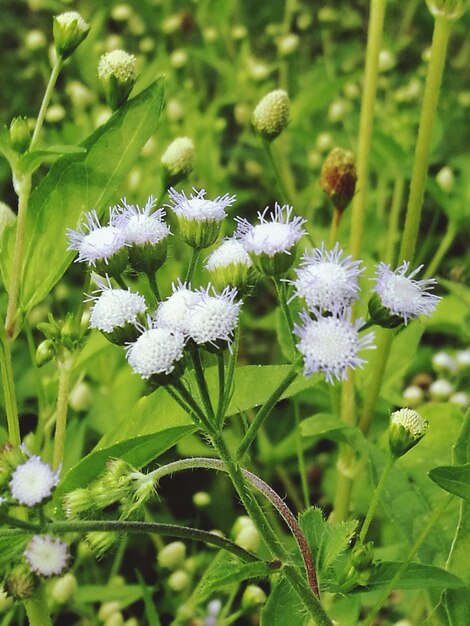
[197, 207]
[156, 351]
[213, 318]
[173, 312]
[331, 344]
[402, 295]
[94, 242]
[139, 225]
[114, 308]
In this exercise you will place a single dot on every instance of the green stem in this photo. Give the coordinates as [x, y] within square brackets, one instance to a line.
[192, 265]
[232, 361]
[8, 383]
[221, 377]
[375, 499]
[23, 189]
[403, 567]
[384, 345]
[374, 44]
[394, 218]
[193, 408]
[65, 366]
[201, 382]
[45, 101]
[279, 180]
[441, 251]
[442, 29]
[300, 455]
[266, 409]
[335, 221]
[270, 539]
[169, 530]
[37, 609]
[281, 295]
[154, 286]
[120, 281]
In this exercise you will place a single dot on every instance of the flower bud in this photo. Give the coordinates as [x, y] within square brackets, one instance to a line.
[35, 40]
[177, 160]
[381, 314]
[450, 9]
[115, 619]
[271, 114]
[338, 178]
[107, 609]
[20, 136]
[179, 581]
[463, 359]
[440, 389]
[445, 179]
[77, 502]
[201, 499]
[179, 58]
[172, 555]
[362, 556]
[443, 362]
[413, 396]
[253, 598]
[230, 264]
[5, 601]
[288, 44]
[101, 542]
[45, 352]
[407, 428]
[80, 397]
[6, 217]
[132, 621]
[117, 73]
[69, 30]
[461, 399]
[64, 588]
[20, 583]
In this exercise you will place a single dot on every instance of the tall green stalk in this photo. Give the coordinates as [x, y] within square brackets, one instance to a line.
[65, 366]
[37, 609]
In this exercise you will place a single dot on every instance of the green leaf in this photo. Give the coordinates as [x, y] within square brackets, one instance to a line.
[416, 576]
[327, 541]
[124, 594]
[229, 571]
[138, 452]
[327, 426]
[150, 610]
[283, 607]
[453, 478]
[30, 161]
[77, 183]
[253, 386]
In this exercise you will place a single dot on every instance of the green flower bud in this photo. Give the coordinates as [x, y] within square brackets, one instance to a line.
[248, 538]
[107, 609]
[101, 542]
[7, 217]
[179, 581]
[77, 502]
[172, 555]
[362, 556]
[69, 30]
[45, 352]
[382, 315]
[148, 257]
[271, 114]
[132, 621]
[20, 137]
[201, 499]
[450, 9]
[230, 264]
[177, 160]
[80, 397]
[115, 619]
[64, 588]
[20, 583]
[338, 178]
[407, 428]
[253, 598]
[114, 265]
[117, 73]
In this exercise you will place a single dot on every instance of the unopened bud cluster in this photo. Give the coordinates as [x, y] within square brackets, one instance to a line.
[271, 114]
[407, 428]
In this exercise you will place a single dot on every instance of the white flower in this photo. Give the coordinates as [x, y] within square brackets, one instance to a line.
[197, 208]
[33, 481]
[230, 251]
[213, 318]
[156, 351]
[411, 421]
[277, 234]
[138, 225]
[119, 64]
[115, 307]
[331, 344]
[402, 295]
[327, 281]
[172, 313]
[46, 556]
[95, 242]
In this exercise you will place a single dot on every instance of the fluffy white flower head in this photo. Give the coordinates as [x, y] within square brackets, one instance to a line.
[46, 556]
[331, 344]
[138, 225]
[411, 421]
[214, 317]
[115, 307]
[173, 312]
[118, 63]
[277, 234]
[230, 251]
[326, 280]
[67, 18]
[197, 208]
[156, 351]
[94, 242]
[33, 481]
[401, 294]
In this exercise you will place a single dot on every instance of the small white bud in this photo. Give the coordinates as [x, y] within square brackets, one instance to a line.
[69, 29]
[443, 362]
[386, 60]
[461, 398]
[179, 58]
[271, 114]
[288, 44]
[463, 359]
[35, 40]
[179, 580]
[413, 396]
[117, 71]
[407, 428]
[445, 179]
[178, 159]
[107, 609]
[64, 588]
[440, 389]
[172, 555]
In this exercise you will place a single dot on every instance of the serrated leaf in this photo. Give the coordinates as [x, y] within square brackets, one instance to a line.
[283, 607]
[453, 478]
[229, 571]
[75, 184]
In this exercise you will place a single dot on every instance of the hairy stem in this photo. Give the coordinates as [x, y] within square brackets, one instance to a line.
[192, 265]
[375, 499]
[8, 383]
[45, 101]
[65, 365]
